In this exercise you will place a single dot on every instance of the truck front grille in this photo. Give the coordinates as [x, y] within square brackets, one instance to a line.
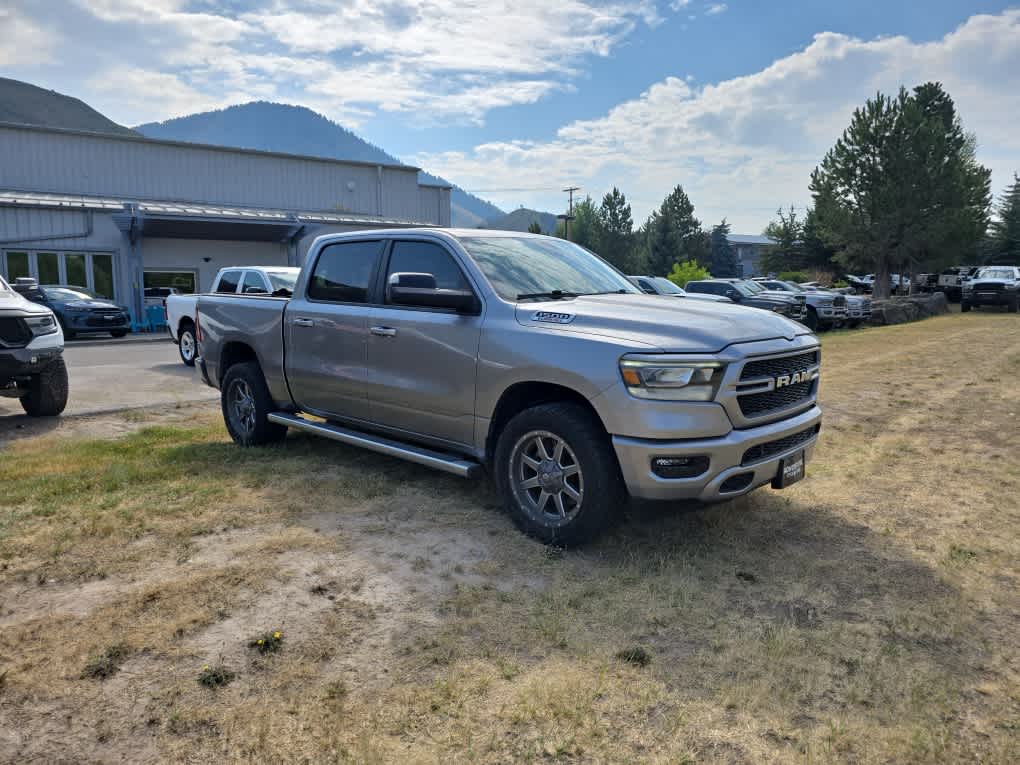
[14, 333]
[761, 403]
[784, 365]
[758, 404]
[988, 286]
[772, 448]
[839, 301]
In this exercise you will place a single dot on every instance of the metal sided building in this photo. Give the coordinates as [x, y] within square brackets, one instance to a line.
[115, 214]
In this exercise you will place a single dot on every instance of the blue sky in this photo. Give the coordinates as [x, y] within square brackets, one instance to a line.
[737, 101]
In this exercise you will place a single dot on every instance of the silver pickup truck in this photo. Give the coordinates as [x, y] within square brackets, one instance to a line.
[523, 354]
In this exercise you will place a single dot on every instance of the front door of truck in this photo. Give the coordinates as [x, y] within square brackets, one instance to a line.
[421, 361]
[326, 331]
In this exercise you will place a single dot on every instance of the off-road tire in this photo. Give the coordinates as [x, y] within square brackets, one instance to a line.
[187, 347]
[118, 333]
[811, 320]
[853, 324]
[603, 489]
[964, 307]
[1013, 306]
[47, 394]
[247, 377]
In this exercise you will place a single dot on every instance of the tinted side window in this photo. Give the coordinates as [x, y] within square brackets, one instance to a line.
[697, 287]
[343, 272]
[427, 258]
[253, 283]
[646, 287]
[228, 281]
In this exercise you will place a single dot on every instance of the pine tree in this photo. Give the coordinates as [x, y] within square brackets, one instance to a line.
[1005, 232]
[787, 252]
[534, 227]
[674, 234]
[724, 261]
[901, 187]
[616, 231]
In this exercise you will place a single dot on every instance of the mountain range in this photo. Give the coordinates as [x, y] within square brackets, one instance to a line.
[297, 130]
[256, 125]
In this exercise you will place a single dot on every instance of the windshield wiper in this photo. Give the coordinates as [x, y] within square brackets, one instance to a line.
[553, 295]
[609, 292]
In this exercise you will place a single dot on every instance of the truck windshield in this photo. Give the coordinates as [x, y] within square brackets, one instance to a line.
[995, 273]
[537, 266]
[666, 287]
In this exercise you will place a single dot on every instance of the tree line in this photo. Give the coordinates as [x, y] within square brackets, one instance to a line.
[671, 242]
[900, 191]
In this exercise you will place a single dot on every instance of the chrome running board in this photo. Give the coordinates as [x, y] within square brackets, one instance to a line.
[448, 463]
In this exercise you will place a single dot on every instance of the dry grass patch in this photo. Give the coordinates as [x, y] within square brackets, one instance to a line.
[867, 615]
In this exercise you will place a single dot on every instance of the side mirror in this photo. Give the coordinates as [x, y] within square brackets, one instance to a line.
[420, 290]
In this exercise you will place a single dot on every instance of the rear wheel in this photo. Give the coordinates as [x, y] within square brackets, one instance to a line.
[246, 404]
[964, 307]
[47, 393]
[1013, 306]
[557, 474]
[186, 344]
[118, 333]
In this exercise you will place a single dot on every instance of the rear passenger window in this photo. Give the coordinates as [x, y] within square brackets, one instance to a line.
[228, 281]
[343, 272]
[427, 258]
[253, 284]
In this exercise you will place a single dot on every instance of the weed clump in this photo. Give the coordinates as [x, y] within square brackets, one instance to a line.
[635, 655]
[215, 677]
[106, 664]
[270, 642]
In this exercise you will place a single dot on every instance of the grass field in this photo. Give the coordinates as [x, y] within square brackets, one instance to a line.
[870, 614]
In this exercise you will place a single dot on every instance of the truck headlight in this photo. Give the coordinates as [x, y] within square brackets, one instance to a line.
[41, 325]
[672, 381]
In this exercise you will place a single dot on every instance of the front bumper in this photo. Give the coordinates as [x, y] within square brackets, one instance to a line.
[991, 297]
[725, 456]
[32, 359]
[86, 321]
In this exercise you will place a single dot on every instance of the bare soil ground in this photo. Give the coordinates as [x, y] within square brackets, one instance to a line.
[867, 615]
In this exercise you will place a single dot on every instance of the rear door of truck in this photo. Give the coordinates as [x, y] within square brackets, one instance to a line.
[326, 330]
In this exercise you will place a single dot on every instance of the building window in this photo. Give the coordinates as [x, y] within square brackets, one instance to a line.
[47, 265]
[77, 276]
[182, 281]
[102, 275]
[17, 266]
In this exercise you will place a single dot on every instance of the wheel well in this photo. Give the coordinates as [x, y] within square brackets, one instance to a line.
[185, 323]
[235, 353]
[521, 396]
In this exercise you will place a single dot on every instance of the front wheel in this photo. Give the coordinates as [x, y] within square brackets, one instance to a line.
[246, 404]
[811, 320]
[186, 345]
[557, 474]
[47, 392]
[964, 307]
[1013, 306]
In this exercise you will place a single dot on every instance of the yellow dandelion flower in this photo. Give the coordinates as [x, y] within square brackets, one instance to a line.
[261, 641]
[277, 635]
[205, 667]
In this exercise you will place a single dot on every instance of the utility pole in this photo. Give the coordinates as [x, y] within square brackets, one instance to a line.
[570, 210]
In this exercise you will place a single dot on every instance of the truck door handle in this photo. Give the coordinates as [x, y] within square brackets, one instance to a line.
[384, 331]
[304, 323]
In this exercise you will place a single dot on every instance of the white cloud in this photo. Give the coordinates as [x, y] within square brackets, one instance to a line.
[453, 60]
[716, 8]
[745, 146]
[23, 42]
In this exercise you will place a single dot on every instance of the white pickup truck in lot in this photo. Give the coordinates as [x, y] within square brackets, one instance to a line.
[524, 355]
[237, 280]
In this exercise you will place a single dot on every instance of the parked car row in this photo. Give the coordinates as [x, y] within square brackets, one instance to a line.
[78, 311]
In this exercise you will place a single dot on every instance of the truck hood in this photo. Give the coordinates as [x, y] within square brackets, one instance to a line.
[659, 322]
[12, 302]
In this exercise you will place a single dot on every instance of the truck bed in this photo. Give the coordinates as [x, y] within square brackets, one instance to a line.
[232, 323]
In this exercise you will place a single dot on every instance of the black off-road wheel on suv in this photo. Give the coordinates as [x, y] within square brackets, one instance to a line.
[1013, 306]
[557, 474]
[811, 319]
[187, 346]
[47, 392]
[246, 404]
[964, 307]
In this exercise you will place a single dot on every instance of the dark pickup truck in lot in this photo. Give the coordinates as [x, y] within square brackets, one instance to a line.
[525, 355]
[993, 285]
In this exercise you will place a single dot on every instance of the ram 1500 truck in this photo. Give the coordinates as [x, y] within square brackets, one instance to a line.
[523, 354]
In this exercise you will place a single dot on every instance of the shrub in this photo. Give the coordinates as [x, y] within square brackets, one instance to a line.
[688, 271]
[795, 276]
